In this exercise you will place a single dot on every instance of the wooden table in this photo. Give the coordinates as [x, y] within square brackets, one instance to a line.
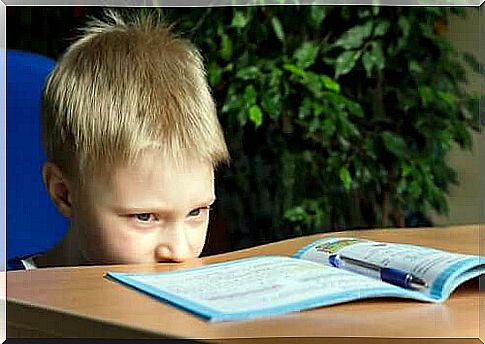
[79, 302]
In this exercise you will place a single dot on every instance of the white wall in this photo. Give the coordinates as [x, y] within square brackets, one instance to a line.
[466, 201]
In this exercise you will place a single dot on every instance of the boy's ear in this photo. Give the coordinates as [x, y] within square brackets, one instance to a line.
[58, 188]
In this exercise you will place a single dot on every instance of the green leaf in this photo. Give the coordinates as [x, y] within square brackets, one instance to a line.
[463, 136]
[328, 127]
[440, 204]
[368, 63]
[312, 82]
[305, 108]
[354, 37]
[278, 29]
[373, 58]
[381, 28]
[297, 71]
[404, 25]
[255, 115]
[344, 143]
[314, 125]
[330, 84]
[271, 103]
[426, 94]
[377, 55]
[370, 148]
[345, 62]
[448, 98]
[318, 109]
[363, 12]
[230, 105]
[214, 74]
[352, 129]
[394, 143]
[306, 54]
[248, 73]
[414, 67]
[354, 108]
[345, 177]
[474, 64]
[226, 47]
[317, 15]
[250, 95]
[401, 186]
[239, 20]
[406, 170]
[414, 189]
[336, 100]
[242, 117]
[296, 214]
[275, 77]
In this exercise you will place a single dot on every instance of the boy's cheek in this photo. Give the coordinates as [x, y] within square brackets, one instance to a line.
[108, 243]
[130, 248]
[201, 241]
[111, 241]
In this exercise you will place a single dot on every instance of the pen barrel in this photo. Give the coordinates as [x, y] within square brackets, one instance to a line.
[396, 277]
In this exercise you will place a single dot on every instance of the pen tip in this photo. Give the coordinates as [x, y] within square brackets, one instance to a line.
[418, 283]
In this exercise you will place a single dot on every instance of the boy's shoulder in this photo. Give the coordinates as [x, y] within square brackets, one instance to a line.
[22, 262]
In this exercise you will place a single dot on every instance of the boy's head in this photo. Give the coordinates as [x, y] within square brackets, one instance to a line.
[132, 138]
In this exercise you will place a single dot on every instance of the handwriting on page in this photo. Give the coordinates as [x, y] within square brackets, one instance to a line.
[264, 282]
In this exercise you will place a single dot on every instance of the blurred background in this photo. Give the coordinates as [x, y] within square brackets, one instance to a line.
[336, 117]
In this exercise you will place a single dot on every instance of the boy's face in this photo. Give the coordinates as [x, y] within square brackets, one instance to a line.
[153, 211]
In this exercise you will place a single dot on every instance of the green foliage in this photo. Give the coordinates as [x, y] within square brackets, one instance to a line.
[334, 117]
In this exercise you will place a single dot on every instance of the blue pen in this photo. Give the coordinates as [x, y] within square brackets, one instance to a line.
[393, 276]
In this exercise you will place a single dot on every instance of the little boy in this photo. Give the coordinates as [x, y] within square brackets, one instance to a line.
[132, 139]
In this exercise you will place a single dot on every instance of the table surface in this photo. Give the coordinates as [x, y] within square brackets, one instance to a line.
[79, 302]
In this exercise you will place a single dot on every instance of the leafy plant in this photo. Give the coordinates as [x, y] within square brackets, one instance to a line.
[336, 117]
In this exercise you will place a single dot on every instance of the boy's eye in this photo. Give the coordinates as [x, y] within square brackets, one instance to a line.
[195, 212]
[145, 217]
[198, 211]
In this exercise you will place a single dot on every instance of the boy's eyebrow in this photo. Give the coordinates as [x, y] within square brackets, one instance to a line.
[155, 209]
[209, 201]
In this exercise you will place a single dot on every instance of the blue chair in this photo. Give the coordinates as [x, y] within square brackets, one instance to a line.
[33, 223]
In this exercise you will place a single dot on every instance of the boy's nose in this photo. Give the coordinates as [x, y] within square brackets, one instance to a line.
[175, 247]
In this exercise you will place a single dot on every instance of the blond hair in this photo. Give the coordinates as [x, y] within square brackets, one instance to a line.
[123, 87]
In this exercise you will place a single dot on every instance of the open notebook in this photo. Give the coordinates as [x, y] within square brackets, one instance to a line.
[323, 273]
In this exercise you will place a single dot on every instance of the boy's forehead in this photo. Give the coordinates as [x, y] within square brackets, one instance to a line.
[156, 177]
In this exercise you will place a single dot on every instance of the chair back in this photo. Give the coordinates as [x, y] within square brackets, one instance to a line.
[33, 223]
